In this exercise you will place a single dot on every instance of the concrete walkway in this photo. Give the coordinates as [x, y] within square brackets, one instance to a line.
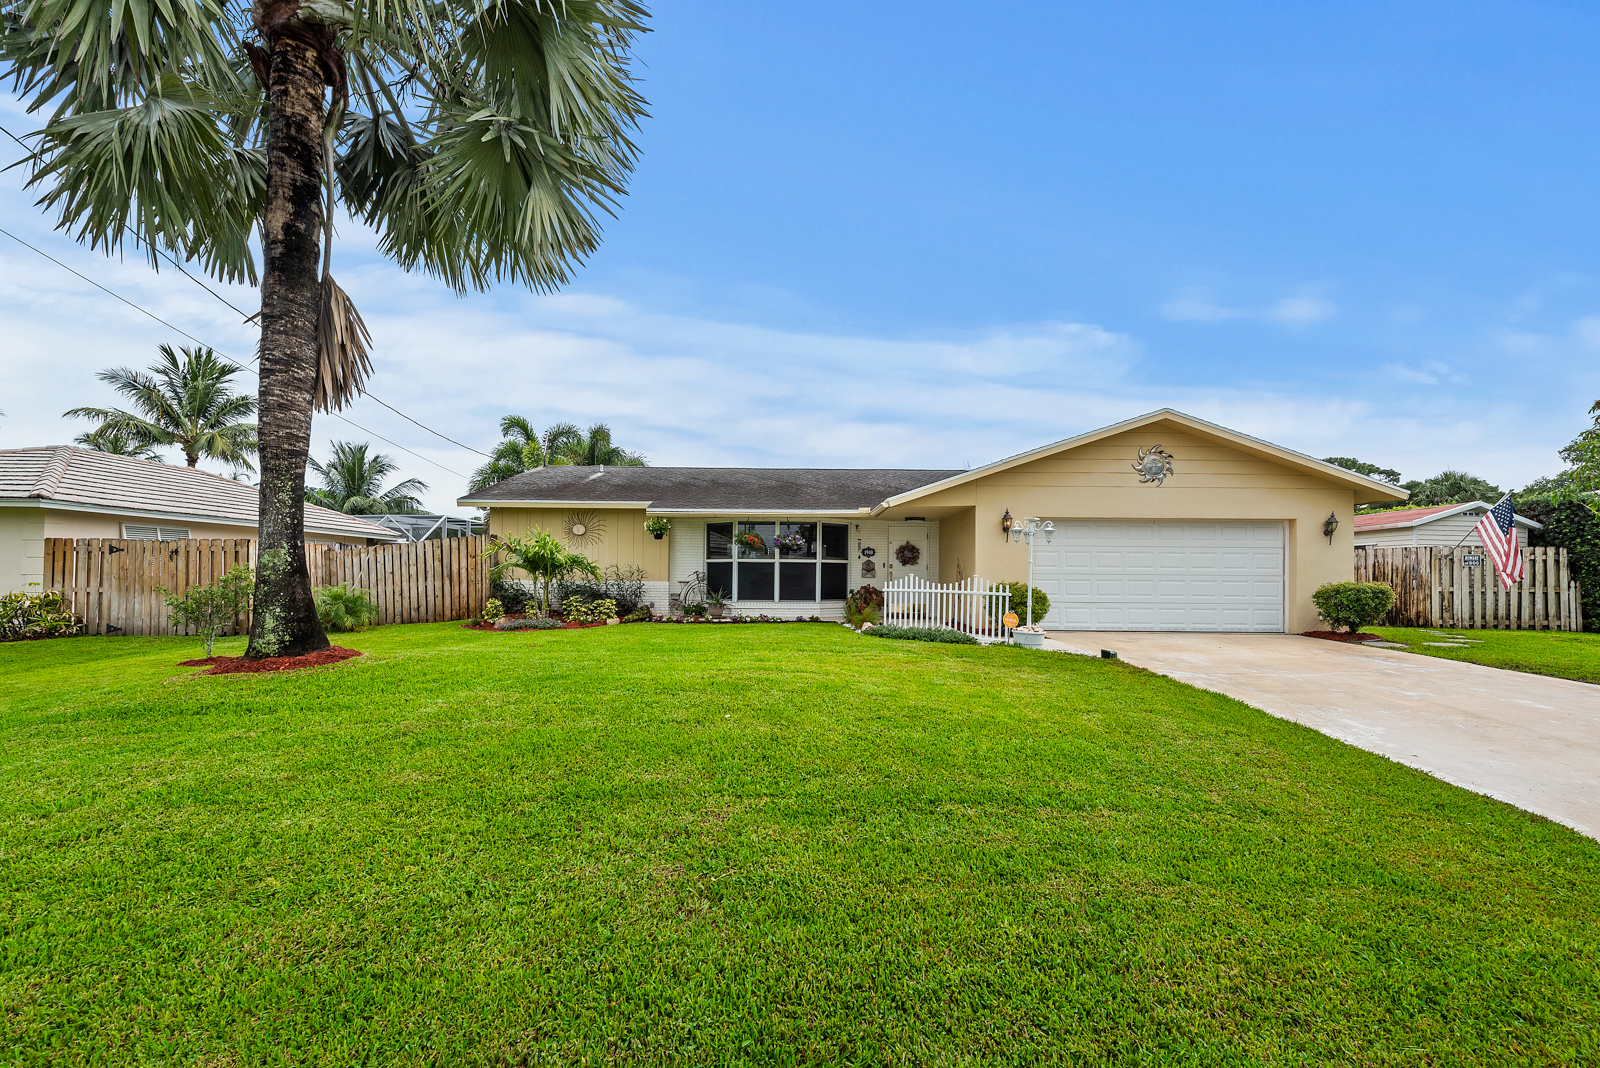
[1526, 739]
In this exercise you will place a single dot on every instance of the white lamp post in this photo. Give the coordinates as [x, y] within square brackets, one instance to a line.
[1025, 531]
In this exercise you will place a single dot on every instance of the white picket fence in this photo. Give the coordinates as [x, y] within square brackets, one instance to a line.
[974, 606]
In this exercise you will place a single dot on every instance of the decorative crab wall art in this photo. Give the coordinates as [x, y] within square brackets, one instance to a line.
[1154, 464]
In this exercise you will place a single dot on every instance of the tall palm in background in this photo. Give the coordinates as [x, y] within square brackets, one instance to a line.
[480, 139]
[118, 441]
[352, 482]
[523, 448]
[188, 402]
[594, 447]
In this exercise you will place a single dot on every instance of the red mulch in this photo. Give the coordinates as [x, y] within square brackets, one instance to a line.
[238, 665]
[1341, 636]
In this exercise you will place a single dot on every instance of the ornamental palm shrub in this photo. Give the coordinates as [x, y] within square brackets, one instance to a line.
[36, 615]
[344, 608]
[544, 558]
[212, 608]
[1353, 605]
[481, 142]
[1019, 601]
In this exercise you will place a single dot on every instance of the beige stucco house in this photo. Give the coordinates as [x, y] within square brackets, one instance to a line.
[1163, 522]
[64, 492]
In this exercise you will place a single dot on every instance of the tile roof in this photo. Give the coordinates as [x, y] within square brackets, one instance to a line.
[126, 484]
[710, 488]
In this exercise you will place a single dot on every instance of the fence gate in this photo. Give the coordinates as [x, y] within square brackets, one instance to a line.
[1434, 588]
[111, 583]
[974, 606]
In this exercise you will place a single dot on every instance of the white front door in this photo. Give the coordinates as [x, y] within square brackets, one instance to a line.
[1107, 574]
[901, 534]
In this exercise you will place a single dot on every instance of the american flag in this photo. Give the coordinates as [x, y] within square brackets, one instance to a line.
[1498, 529]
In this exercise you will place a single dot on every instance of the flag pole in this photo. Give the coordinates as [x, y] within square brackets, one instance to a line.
[1474, 529]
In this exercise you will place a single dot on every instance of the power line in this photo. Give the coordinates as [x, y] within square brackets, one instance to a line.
[230, 304]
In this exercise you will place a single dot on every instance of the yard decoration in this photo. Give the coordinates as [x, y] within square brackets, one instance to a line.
[36, 615]
[1154, 464]
[209, 609]
[908, 554]
[1353, 605]
[543, 557]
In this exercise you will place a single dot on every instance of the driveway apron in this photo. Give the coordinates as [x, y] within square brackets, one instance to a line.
[1525, 739]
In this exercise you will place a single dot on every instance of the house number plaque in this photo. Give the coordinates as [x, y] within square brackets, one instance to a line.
[869, 552]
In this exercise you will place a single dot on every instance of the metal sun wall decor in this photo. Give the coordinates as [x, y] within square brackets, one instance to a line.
[584, 529]
[1154, 464]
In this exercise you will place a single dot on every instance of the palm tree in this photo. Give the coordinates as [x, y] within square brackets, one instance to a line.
[543, 557]
[522, 448]
[481, 139]
[118, 440]
[352, 482]
[185, 402]
[594, 447]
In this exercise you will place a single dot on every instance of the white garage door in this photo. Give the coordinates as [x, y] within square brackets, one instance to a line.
[1106, 574]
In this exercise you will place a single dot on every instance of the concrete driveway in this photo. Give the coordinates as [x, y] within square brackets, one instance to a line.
[1525, 739]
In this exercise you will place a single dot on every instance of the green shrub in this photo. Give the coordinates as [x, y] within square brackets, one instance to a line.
[642, 614]
[344, 608]
[577, 610]
[923, 634]
[1353, 605]
[1019, 601]
[36, 615]
[493, 609]
[513, 596]
[211, 609]
[527, 623]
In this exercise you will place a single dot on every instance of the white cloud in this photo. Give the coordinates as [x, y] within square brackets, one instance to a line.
[1200, 306]
[1428, 373]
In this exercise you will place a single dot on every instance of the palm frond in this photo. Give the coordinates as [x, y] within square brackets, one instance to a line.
[343, 365]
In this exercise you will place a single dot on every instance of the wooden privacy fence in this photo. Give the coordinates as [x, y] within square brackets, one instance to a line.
[111, 583]
[1434, 588]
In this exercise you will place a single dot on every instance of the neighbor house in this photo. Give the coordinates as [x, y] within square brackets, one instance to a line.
[1445, 525]
[66, 492]
[1164, 522]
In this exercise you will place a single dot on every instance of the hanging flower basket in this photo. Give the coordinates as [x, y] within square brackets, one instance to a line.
[794, 544]
[751, 541]
[908, 554]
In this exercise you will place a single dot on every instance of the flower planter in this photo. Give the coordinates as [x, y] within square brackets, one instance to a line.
[1029, 639]
[716, 613]
[658, 537]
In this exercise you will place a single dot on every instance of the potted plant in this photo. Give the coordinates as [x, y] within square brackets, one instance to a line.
[715, 603]
[751, 541]
[657, 525]
[791, 544]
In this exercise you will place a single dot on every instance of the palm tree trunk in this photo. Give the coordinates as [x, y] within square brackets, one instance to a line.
[284, 621]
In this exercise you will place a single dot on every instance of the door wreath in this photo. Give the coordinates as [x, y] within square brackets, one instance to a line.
[908, 554]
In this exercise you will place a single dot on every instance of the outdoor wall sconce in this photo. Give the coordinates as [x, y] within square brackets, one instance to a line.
[1006, 523]
[1329, 525]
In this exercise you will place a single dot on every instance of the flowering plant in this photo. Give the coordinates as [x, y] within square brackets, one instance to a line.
[657, 525]
[792, 543]
[751, 540]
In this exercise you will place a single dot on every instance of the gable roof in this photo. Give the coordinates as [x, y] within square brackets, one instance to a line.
[705, 489]
[1368, 490]
[1416, 517]
[86, 480]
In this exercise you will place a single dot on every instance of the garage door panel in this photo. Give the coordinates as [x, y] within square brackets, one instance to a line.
[1167, 575]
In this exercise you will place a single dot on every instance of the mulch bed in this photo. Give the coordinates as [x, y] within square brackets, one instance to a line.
[533, 630]
[238, 665]
[1341, 636]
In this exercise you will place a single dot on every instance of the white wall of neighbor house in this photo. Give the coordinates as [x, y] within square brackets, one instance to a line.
[1444, 532]
[21, 548]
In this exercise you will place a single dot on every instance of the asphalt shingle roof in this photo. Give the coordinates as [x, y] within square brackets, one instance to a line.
[712, 488]
[125, 484]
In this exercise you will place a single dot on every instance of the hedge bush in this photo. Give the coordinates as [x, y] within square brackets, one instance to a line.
[1019, 601]
[1574, 526]
[527, 623]
[1353, 605]
[36, 615]
[922, 634]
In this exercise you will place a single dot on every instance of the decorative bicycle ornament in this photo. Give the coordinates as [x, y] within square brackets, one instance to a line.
[1154, 464]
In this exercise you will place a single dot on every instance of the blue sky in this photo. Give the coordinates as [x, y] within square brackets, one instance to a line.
[909, 234]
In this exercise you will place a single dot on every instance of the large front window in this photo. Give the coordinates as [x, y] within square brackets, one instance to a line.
[783, 560]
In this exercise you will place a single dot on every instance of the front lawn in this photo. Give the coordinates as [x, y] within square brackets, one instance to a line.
[1564, 654]
[748, 845]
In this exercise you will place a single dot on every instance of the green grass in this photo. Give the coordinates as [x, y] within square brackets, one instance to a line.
[1564, 654]
[756, 845]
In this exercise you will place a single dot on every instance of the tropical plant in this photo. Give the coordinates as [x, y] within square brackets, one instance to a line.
[864, 605]
[187, 402]
[522, 448]
[117, 439]
[352, 482]
[1583, 454]
[211, 608]
[345, 608]
[480, 141]
[492, 610]
[1353, 605]
[594, 447]
[715, 599]
[544, 558]
[36, 615]
[577, 610]
[1451, 487]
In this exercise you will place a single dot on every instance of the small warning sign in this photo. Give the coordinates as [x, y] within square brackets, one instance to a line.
[1009, 619]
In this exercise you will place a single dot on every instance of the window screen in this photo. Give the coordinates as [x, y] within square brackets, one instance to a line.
[719, 541]
[797, 582]
[835, 541]
[835, 581]
[755, 581]
[719, 577]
